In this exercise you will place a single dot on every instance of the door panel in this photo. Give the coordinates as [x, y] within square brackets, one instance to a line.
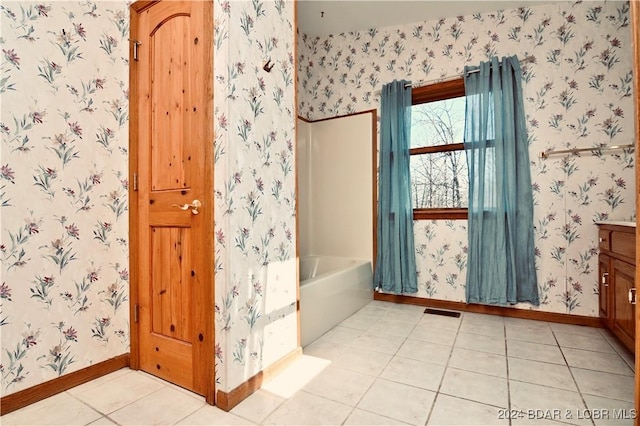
[170, 64]
[624, 312]
[172, 242]
[170, 282]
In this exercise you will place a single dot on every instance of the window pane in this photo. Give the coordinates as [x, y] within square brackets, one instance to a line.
[439, 180]
[437, 123]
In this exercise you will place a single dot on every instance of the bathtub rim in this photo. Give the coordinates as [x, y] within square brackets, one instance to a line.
[357, 263]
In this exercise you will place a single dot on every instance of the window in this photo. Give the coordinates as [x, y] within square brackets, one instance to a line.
[439, 179]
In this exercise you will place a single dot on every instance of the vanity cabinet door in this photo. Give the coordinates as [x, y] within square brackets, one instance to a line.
[604, 288]
[623, 311]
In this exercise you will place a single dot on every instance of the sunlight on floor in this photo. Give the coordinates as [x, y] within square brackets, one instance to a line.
[296, 376]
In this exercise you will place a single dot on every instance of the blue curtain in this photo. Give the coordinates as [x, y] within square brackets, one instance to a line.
[501, 257]
[396, 258]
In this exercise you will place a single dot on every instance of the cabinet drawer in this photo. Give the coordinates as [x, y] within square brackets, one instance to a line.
[623, 243]
[604, 239]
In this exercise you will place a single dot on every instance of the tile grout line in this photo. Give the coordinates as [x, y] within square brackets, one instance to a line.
[100, 413]
[572, 376]
[365, 392]
[378, 376]
[89, 405]
[355, 406]
[616, 349]
[380, 373]
[506, 360]
[261, 422]
[106, 415]
[446, 367]
[191, 413]
[164, 385]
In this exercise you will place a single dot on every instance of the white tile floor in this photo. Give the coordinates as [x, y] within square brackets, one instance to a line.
[391, 364]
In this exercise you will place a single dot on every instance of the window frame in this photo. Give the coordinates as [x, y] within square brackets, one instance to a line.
[431, 93]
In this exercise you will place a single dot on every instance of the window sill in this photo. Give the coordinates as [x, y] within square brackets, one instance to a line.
[440, 214]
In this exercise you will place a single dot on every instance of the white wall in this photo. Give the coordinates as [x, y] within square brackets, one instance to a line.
[335, 187]
[304, 187]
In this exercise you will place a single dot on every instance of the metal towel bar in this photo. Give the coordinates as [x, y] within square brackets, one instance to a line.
[546, 154]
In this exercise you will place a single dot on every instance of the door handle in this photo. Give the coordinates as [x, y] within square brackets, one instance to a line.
[632, 296]
[605, 275]
[194, 206]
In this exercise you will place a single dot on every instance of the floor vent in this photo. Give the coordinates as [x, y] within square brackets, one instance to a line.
[443, 313]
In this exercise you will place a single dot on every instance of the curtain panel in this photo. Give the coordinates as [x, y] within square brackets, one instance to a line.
[395, 269]
[501, 256]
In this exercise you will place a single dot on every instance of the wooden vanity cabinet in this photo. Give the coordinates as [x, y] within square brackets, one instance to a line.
[617, 281]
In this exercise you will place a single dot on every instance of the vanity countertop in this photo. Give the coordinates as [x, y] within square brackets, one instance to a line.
[617, 222]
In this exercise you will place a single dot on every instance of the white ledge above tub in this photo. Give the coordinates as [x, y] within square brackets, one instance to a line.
[617, 222]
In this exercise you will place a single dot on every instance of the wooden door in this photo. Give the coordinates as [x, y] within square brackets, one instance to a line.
[604, 287]
[623, 313]
[172, 203]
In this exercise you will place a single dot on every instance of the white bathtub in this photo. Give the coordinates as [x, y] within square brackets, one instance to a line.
[331, 290]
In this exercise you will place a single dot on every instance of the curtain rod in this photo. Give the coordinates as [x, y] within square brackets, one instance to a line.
[546, 154]
[433, 80]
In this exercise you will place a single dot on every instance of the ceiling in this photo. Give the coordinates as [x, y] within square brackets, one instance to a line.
[352, 15]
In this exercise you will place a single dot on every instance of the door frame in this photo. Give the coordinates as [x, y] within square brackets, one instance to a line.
[635, 31]
[205, 294]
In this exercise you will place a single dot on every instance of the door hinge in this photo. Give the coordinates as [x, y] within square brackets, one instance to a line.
[136, 43]
[136, 310]
[135, 181]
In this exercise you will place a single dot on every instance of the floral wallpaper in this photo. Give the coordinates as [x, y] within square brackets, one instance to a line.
[63, 188]
[577, 71]
[255, 184]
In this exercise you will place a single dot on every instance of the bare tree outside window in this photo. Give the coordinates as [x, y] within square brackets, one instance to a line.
[438, 175]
